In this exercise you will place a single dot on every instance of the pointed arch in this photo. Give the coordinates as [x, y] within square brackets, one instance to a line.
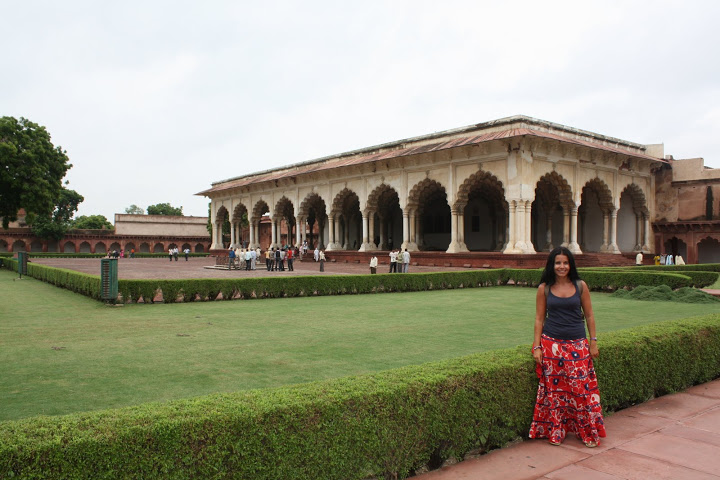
[429, 217]
[632, 219]
[596, 205]
[384, 205]
[346, 211]
[550, 212]
[481, 201]
[313, 215]
[284, 213]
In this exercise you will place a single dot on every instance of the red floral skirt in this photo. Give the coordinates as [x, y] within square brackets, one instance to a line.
[568, 399]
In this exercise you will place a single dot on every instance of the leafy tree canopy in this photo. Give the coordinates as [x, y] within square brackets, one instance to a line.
[92, 222]
[164, 209]
[134, 210]
[55, 225]
[31, 170]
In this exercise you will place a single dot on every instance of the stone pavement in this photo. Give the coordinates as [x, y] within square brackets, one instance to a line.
[162, 268]
[671, 437]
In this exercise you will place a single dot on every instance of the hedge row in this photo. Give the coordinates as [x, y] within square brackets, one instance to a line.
[386, 425]
[82, 283]
[189, 290]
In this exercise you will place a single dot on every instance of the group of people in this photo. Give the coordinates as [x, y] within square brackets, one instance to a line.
[399, 261]
[242, 258]
[668, 259]
[173, 253]
[120, 253]
[276, 259]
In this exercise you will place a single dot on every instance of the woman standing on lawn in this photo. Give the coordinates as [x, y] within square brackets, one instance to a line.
[568, 399]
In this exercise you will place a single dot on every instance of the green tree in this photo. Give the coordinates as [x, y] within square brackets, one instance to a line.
[134, 210]
[31, 170]
[92, 222]
[164, 209]
[55, 225]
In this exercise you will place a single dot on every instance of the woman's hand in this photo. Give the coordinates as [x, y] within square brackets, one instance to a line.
[594, 352]
[537, 355]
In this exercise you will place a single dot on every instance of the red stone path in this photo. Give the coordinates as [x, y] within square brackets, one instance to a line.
[671, 437]
[162, 268]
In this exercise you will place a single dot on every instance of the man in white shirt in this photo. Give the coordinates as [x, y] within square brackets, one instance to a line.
[405, 261]
[393, 261]
[373, 265]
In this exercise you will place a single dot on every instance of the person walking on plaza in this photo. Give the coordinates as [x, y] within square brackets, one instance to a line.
[321, 259]
[316, 254]
[568, 398]
[231, 258]
[170, 252]
[639, 258]
[669, 259]
[277, 259]
[268, 265]
[187, 253]
[254, 255]
[290, 259]
[248, 259]
[176, 251]
[406, 261]
[393, 261]
[373, 265]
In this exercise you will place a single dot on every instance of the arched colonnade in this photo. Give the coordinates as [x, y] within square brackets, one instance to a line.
[482, 214]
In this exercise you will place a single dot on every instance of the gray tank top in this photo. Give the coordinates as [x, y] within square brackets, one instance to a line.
[564, 319]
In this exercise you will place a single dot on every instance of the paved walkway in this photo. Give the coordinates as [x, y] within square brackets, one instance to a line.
[672, 437]
[161, 268]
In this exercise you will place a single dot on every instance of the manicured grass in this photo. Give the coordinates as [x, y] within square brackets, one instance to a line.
[64, 353]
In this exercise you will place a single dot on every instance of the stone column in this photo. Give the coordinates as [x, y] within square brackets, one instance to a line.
[529, 247]
[365, 244]
[371, 234]
[456, 242]
[574, 247]
[548, 232]
[613, 248]
[252, 240]
[566, 228]
[646, 233]
[273, 233]
[520, 243]
[232, 234]
[406, 229]
[510, 246]
[218, 230]
[606, 220]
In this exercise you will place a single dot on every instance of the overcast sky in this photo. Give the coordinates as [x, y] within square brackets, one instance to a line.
[155, 100]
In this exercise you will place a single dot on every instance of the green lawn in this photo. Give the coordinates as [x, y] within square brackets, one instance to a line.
[64, 353]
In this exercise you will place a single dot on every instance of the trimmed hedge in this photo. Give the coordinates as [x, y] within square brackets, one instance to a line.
[82, 283]
[388, 424]
[188, 290]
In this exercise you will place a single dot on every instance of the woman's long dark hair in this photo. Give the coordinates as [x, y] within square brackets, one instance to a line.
[548, 275]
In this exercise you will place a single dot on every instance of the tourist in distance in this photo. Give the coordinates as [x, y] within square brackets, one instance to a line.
[405, 261]
[373, 265]
[568, 398]
[393, 261]
[321, 259]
